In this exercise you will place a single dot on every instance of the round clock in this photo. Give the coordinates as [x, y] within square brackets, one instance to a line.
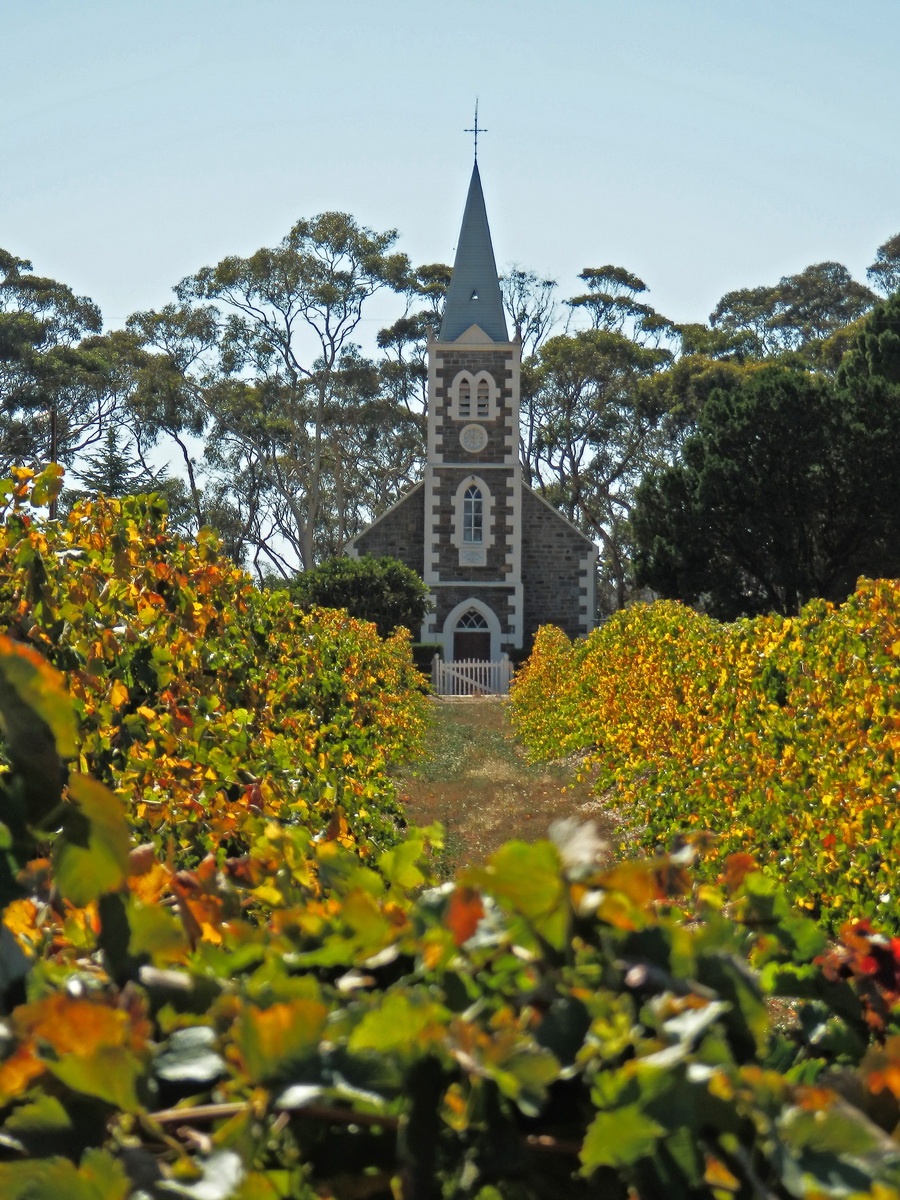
[473, 438]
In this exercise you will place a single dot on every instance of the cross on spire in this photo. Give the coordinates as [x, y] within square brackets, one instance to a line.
[476, 130]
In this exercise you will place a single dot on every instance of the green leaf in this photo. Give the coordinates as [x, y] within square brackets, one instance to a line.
[400, 865]
[528, 879]
[45, 1114]
[47, 485]
[156, 932]
[100, 1177]
[404, 1022]
[109, 1073]
[525, 1077]
[91, 853]
[619, 1138]
[42, 691]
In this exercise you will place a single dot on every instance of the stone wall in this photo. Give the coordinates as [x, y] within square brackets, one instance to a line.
[558, 589]
[399, 533]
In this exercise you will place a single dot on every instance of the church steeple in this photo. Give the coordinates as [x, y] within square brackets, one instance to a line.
[473, 297]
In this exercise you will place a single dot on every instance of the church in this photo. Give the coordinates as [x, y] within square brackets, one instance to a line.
[498, 560]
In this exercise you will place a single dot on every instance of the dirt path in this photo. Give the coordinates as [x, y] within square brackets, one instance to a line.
[476, 780]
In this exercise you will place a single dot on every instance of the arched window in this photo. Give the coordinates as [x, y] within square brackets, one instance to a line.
[473, 521]
[472, 619]
[473, 516]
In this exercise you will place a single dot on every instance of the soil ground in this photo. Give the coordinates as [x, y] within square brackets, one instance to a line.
[475, 778]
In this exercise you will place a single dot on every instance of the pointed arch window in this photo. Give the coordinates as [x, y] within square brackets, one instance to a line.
[473, 516]
[483, 398]
[473, 521]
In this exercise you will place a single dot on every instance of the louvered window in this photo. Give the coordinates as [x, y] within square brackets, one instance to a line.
[483, 399]
[464, 398]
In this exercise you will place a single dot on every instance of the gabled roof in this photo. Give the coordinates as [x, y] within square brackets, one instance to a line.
[473, 297]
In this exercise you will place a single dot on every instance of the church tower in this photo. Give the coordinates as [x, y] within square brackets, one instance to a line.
[498, 560]
[473, 478]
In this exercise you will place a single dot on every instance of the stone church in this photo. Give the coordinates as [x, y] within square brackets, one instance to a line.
[498, 560]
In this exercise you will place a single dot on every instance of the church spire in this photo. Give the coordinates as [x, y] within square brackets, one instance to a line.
[473, 297]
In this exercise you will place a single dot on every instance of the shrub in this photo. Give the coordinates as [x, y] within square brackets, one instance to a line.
[380, 590]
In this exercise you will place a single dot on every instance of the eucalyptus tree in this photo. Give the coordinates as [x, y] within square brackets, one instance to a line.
[598, 430]
[55, 394]
[404, 344]
[259, 357]
[796, 313]
[173, 356]
[611, 303]
[529, 301]
[884, 273]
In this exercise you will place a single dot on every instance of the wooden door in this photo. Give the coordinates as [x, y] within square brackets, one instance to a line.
[471, 643]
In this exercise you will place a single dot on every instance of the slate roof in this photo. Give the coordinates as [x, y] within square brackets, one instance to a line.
[473, 297]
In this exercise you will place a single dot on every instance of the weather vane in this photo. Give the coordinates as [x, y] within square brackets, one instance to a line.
[476, 129]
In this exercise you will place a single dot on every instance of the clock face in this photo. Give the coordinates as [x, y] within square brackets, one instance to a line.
[473, 438]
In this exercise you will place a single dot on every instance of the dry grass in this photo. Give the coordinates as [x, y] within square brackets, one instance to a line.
[475, 779]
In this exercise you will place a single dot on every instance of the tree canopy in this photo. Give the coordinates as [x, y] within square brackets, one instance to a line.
[261, 405]
[786, 488]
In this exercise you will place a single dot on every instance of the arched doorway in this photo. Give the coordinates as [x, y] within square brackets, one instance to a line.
[471, 630]
[472, 636]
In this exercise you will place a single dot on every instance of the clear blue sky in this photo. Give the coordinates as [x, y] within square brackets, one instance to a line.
[704, 144]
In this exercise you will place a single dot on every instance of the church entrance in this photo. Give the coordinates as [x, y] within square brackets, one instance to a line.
[471, 637]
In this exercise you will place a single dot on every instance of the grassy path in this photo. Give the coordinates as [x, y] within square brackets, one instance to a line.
[475, 779]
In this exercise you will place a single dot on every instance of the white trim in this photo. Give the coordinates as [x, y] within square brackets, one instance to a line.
[428, 633]
[482, 466]
[455, 613]
[474, 583]
[430, 573]
[517, 619]
[474, 338]
[435, 419]
[589, 590]
[512, 418]
[514, 556]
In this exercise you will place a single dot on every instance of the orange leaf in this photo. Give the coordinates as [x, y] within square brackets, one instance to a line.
[464, 912]
[737, 868]
[17, 1072]
[73, 1026]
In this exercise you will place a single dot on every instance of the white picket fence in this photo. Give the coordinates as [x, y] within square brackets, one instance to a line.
[471, 677]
